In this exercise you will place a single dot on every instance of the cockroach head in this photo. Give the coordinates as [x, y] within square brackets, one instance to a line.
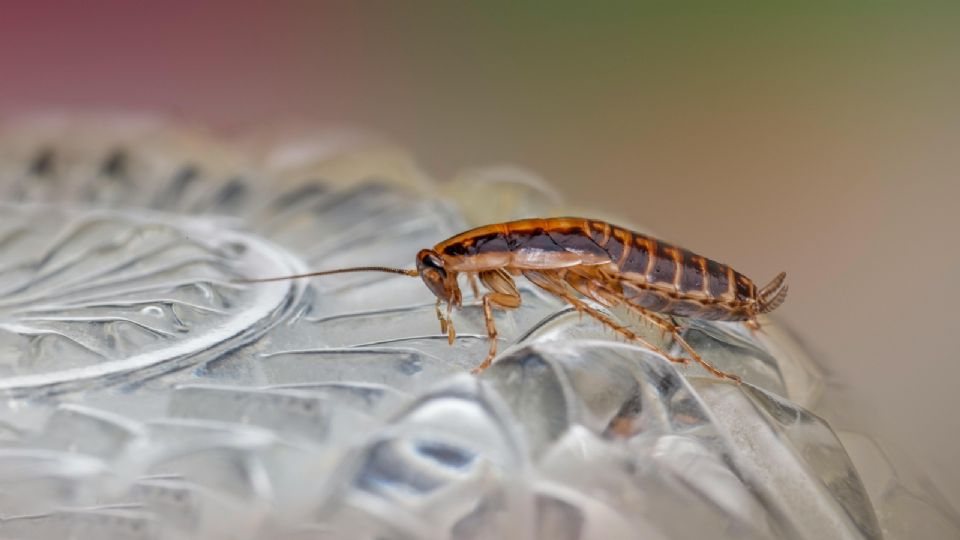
[430, 266]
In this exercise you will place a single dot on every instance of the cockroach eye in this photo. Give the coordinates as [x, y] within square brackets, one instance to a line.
[432, 262]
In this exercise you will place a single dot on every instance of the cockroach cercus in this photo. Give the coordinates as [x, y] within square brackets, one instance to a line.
[576, 259]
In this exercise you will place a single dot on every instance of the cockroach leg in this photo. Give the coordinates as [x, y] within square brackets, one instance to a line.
[502, 300]
[441, 318]
[553, 286]
[754, 326]
[592, 289]
[674, 326]
[491, 335]
[451, 332]
[446, 323]
[675, 332]
[707, 365]
[472, 278]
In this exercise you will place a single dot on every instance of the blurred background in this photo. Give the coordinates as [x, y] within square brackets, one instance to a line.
[820, 140]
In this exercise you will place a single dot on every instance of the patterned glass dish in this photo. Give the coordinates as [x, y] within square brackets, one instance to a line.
[147, 395]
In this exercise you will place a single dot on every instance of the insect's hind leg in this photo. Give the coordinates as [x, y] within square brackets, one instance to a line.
[554, 285]
[674, 331]
[609, 298]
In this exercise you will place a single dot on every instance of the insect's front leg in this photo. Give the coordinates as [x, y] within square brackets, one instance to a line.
[441, 318]
[504, 294]
[446, 323]
[502, 300]
[451, 333]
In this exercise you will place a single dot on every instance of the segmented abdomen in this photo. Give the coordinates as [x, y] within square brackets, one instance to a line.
[662, 277]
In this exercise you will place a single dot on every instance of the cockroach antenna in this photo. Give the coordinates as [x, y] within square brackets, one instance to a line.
[401, 271]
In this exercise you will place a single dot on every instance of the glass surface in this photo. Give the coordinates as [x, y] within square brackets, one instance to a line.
[147, 394]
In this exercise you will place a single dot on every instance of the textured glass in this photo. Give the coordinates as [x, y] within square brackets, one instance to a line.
[148, 395]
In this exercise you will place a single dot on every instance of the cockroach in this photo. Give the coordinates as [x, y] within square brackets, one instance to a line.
[576, 259]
